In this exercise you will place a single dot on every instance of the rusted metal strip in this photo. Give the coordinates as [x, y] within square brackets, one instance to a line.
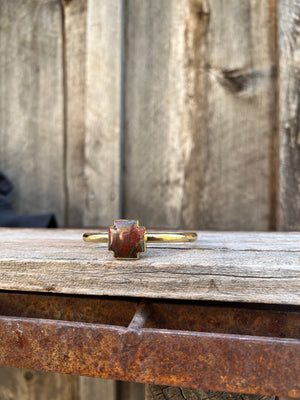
[223, 362]
[243, 349]
[99, 310]
[243, 319]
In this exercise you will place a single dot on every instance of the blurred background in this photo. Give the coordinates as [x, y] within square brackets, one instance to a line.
[182, 113]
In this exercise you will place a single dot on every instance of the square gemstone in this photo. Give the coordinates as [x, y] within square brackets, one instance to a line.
[126, 239]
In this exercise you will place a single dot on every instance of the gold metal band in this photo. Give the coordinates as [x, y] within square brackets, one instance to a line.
[95, 237]
[171, 237]
[166, 237]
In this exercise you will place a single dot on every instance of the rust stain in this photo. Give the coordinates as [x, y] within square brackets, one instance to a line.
[196, 345]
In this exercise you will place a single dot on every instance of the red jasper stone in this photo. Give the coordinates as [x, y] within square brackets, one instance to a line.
[126, 239]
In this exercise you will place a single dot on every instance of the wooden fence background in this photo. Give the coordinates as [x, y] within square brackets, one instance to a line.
[183, 113]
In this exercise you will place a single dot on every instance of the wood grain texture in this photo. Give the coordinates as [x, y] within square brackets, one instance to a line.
[155, 392]
[31, 104]
[74, 48]
[97, 389]
[131, 391]
[102, 142]
[154, 138]
[265, 269]
[200, 103]
[289, 114]
[24, 384]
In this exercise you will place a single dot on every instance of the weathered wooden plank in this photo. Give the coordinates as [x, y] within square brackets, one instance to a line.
[102, 142]
[200, 103]
[74, 47]
[31, 104]
[46, 261]
[31, 385]
[97, 389]
[154, 136]
[131, 391]
[256, 241]
[289, 112]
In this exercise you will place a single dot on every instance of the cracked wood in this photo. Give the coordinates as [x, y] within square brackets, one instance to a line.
[200, 104]
[155, 392]
[246, 267]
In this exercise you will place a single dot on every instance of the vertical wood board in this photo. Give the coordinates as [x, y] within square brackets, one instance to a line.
[155, 140]
[289, 114]
[131, 391]
[102, 141]
[97, 389]
[74, 48]
[31, 104]
[200, 97]
[231, 120]
[21, 384]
